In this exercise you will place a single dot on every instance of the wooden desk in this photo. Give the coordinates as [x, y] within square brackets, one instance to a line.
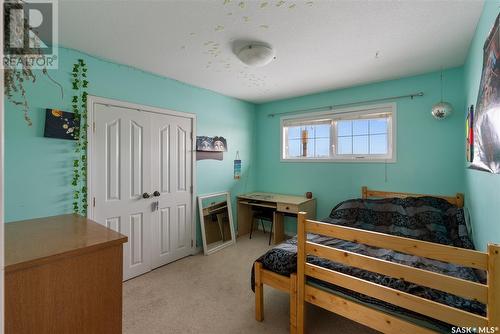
[283, 204]
[63, 274]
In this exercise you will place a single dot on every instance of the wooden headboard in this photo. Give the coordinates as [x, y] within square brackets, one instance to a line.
[457, 200]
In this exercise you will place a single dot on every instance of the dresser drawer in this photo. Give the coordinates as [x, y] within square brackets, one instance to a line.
[290, 208]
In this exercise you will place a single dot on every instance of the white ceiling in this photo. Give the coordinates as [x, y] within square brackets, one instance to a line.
[320, 45]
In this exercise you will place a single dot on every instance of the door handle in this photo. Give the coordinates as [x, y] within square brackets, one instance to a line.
[156, 193]
[146, 195]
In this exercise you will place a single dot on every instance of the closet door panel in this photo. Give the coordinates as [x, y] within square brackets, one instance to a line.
[172, 159]
[122, 174]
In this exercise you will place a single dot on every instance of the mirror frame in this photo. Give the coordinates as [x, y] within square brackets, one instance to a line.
[202, 222]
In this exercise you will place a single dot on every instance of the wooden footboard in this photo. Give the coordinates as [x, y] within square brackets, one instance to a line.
[280, 282]
[488, 294]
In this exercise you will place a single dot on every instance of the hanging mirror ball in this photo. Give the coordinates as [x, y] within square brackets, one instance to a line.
[441, 110]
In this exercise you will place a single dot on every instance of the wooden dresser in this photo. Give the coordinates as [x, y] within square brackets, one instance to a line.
[63, 274]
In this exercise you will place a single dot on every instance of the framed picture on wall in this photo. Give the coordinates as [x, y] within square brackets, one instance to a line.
[60, 124]
[211, 144]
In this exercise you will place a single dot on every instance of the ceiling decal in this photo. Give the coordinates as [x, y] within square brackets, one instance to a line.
[248, 76]
[320, 45]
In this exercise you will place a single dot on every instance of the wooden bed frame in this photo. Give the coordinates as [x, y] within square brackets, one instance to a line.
[300, 292]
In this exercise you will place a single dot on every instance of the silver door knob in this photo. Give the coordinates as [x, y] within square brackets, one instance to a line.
[156, 193]
[146, 195]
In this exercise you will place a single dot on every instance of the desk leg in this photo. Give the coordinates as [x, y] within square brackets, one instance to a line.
[245, 216]
[279, 227]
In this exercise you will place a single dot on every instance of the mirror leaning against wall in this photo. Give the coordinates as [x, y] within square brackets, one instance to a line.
[216, 221]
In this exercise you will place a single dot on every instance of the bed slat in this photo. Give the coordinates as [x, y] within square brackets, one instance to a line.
[417, 304]
[456, 255]
[453, 285]
[367, 316]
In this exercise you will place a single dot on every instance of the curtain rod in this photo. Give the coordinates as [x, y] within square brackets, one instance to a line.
[335, 106]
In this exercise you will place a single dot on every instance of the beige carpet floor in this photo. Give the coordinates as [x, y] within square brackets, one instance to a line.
[211, 294]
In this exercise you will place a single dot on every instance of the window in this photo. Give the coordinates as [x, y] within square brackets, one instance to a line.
[355, 134]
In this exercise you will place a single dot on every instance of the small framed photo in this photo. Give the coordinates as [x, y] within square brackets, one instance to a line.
[211, 144]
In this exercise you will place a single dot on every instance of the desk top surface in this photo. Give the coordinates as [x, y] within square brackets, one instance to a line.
[278, 198]
[35, 241]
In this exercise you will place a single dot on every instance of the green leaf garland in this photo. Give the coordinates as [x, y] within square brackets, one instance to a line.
[79, 105]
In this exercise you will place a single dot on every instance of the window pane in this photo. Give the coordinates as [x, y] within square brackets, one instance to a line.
[323, 131]
[294, 148]
[294, 132]
[344, 145]
[378, 126]
[363, 133]
[322, 148]
[360, 127]
[360, 145]
[378, 144]
[344, 128]
[310, 148]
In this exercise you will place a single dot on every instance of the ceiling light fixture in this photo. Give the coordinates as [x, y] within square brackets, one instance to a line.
[256, 55]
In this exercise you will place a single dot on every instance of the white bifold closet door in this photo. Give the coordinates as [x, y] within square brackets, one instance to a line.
[143, 184]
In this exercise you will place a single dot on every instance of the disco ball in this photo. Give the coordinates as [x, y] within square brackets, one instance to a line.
[441, 110]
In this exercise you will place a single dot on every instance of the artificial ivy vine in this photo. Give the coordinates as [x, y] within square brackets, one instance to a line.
[79, 104]
[17, 74]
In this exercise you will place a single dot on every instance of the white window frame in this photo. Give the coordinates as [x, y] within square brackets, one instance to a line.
[347, 113]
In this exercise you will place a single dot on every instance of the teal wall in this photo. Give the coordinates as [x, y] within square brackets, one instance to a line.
[482, 189]
[429, 152]
[38, 170]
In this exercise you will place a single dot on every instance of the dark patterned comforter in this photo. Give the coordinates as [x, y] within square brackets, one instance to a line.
[425, 218]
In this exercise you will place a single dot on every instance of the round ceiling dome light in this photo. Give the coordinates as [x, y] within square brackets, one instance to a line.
[256, 55]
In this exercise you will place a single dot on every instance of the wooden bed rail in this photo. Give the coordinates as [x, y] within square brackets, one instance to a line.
[453, 285]
[488, 294]
[455, 255]
[457, 200]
